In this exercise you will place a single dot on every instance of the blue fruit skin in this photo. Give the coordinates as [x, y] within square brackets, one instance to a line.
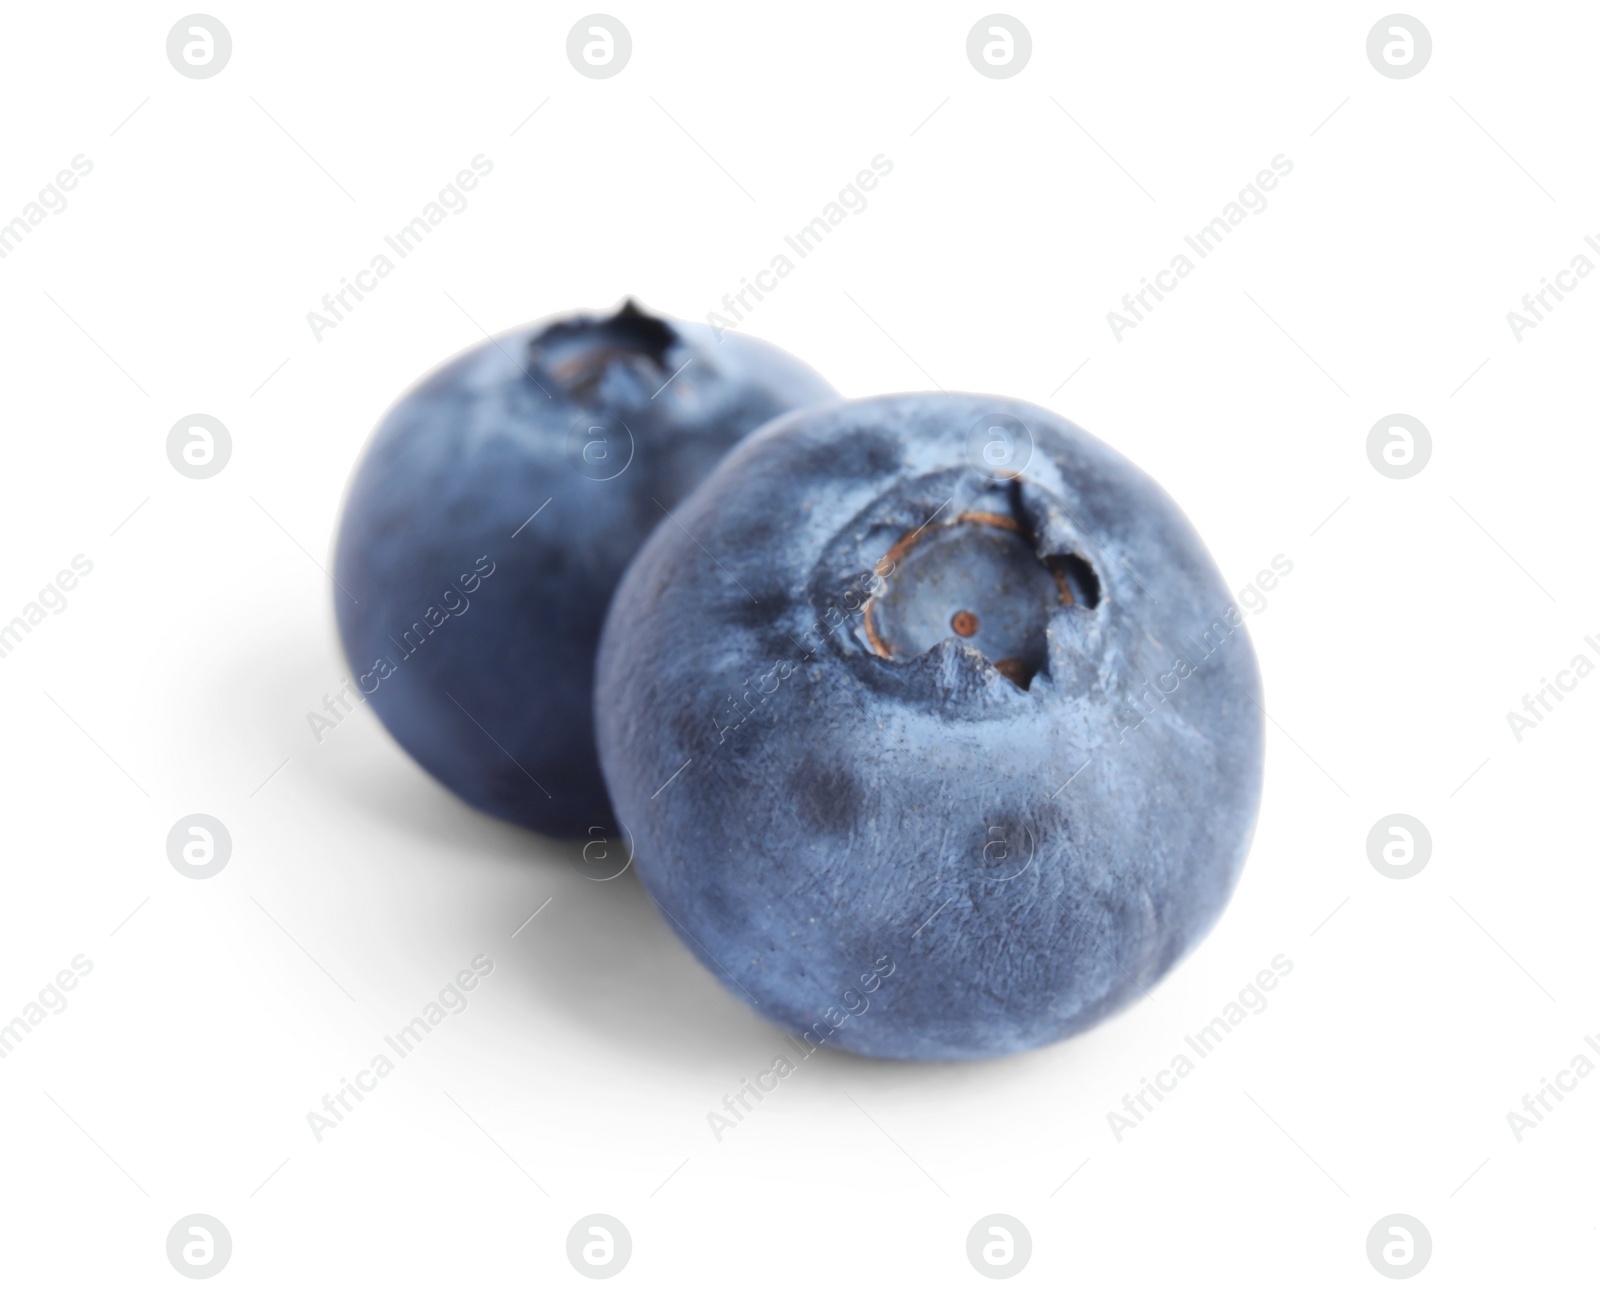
[1023, 862]
[491, 691]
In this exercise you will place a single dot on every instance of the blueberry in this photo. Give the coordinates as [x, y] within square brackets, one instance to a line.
[928, 759]
[493, 513]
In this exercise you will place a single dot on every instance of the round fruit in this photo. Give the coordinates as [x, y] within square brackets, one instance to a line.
[491, 517]
[939, 737]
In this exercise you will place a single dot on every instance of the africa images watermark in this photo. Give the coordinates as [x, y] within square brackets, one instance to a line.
[451, 200]
[342, 704]
[52, 201]
[450, 1000]
[1252, 201]
[1539, 706]
[1537, 1105]
[51, 998]
[1145, 701]
[853, 1002]
[1203, 1042]
[1537, 306]
[851, 201]
[52, 598]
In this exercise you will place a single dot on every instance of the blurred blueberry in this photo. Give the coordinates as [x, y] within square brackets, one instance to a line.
[490, 518]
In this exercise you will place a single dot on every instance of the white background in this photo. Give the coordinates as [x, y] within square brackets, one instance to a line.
[178, 678]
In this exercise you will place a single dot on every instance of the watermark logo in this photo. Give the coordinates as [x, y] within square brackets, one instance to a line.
[999, 1246]
[999, 46]
[199, 46]
[1399, 46]
[999, 446]
[199, 1246]
[1399, 446]
[1399, 846]
[198, 446]
[1004, 855]
[1399, 1246]
[602, 858]
[600, 451]
[599, 1246]
[599, 46]
[198, 846]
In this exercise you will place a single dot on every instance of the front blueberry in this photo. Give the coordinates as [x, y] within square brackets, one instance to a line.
[489, 521]
[928, 759]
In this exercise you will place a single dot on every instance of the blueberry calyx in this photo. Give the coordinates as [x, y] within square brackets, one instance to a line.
[591, 359]
[979, 587]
